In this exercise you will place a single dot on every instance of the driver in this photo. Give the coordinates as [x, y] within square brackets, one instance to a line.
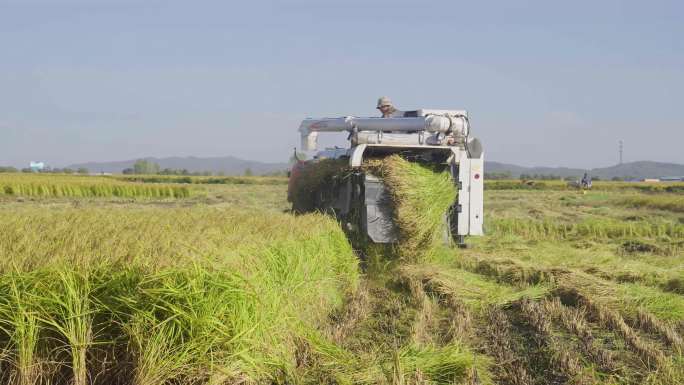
[387, 109]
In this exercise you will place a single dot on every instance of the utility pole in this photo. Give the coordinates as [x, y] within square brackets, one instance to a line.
[620, 151]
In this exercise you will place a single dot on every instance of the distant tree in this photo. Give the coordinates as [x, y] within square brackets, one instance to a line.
[143, 166]
[8, 169]
[278, 173]
[248, 172]
[616, 179]
[498, 175]
[82, 170]
[221, 173]
[128, 171]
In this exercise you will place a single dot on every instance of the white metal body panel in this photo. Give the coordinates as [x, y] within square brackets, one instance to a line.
[470, 194]
[416, 139]
[476, 212]
[426, 111]
[463, 221]
[356, 158]
[431, 123]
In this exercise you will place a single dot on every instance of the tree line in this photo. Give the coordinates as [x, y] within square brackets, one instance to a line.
[46, 170]
[146, 167]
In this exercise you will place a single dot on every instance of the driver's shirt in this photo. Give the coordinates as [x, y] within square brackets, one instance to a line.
[395, 114]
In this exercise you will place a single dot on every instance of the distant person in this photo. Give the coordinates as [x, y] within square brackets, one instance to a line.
[387, 109]
[586, 181]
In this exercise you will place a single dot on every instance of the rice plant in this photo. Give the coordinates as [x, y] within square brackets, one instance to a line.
[183, 295]
[421, 195]
[78, 186]
[183, 179]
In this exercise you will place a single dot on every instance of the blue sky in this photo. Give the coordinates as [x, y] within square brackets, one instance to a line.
[546, 83]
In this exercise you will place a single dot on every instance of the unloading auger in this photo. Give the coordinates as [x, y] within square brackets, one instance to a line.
[360, 202]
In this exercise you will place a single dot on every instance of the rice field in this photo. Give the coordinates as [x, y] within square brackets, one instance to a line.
[239, 180]
[163, 295]
[78, 186]
[223, 285]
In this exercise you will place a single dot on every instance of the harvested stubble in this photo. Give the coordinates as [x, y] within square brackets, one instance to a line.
[563, 356]
[154, 296]
[644, 342]
[574, 321]
[674, 203]
[72, 186]
[392, 343]
[558, 185]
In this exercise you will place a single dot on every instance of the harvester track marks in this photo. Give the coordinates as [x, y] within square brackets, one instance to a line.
[563, 359]
[510, 272]
[345, 319]
[652, 329]
[437, 322]
[573, 320]
[651, 357]
[457, 321]
[387, 322]
[664, 331]
[512, 368]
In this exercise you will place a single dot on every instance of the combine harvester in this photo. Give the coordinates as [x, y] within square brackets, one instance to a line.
[359, 199]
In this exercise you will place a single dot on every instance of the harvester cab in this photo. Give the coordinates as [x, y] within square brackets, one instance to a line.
[360, 200]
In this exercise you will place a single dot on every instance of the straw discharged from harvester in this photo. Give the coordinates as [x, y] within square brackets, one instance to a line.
[420, 196]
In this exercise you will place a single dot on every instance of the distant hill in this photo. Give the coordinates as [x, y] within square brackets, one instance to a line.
[643, 169]
[226, 164]
[230, 165]
[638, 170]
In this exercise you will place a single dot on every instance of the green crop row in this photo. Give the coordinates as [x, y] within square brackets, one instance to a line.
[587, 229]
[250, 180]
[84, 186]
[164, 296]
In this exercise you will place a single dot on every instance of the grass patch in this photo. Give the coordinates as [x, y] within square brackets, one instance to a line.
[674, 203]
